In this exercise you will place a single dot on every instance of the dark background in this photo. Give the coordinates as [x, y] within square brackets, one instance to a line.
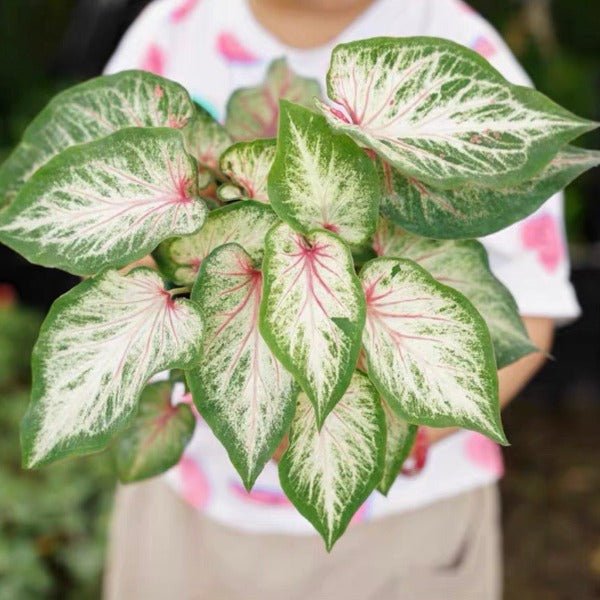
[53, 522]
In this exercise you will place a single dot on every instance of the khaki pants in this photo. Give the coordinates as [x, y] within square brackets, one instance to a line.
[161, 549]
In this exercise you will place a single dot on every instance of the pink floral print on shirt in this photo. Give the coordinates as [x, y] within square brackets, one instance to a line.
[153, 60]
[542, 235]
[181, 12]
[194, 484]
[484, 453]
[483, 46]
[362, 514]
[232, 50]
[258, 495]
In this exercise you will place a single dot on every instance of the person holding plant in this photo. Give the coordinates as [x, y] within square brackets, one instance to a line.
[197, 532]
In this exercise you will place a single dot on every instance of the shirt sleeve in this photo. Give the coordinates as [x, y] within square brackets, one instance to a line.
[531, 256]
[142, 45]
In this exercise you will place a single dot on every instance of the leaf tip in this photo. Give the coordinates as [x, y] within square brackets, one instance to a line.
[249, 479]
[499, 436]
[384, 489]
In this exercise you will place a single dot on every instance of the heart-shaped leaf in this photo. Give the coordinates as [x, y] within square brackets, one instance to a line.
[245, 223]
[442, 114]
[320, 180]
[239, 387]
[253, 112]
[312, 311]
[247, 165]
[463, 265]
[157, 436]
[399, 440]
[106, 203]
[206, 139]
[428, 350]
[472, 210]
[92, 110]
[329, 473]
[98, 346]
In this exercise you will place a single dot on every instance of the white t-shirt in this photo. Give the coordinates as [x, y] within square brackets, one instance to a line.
[213, 47]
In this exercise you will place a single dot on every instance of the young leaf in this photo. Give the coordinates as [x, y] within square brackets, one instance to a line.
[312, 312]
[252, 112]
[206, 139]
[428, 350]
[329, 473]
[463, 265]
[106, 203]
[98, 346]
[228, 192]
[90, 111]
[442, 114]
[320, 180]
[472, 210]
[157, 436]
[239, 387]
[247, 165]
[245, 223]
[399, 440]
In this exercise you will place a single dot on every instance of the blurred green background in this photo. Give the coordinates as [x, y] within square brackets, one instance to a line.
[53, 522]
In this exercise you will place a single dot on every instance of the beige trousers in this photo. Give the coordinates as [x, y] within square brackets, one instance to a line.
[161, 549]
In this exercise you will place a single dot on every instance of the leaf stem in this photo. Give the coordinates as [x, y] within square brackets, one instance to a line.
[178, 291]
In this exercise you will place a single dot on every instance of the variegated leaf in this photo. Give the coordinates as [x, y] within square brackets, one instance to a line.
[93, 110]
[239, 387]
[206, 139]
[245, 223]
[312, 311]
[253, 112]
[106, 203]
[157, 436]
[463, 265]
[442, 114]
[98, 346]
[399, 440]
[329, 473]
[428, 350]
[472, 210]
[247, 165]
[322, 180]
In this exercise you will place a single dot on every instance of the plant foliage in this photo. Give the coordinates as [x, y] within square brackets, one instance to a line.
[335, 299]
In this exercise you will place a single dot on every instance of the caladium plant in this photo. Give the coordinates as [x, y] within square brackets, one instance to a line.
[314, 279]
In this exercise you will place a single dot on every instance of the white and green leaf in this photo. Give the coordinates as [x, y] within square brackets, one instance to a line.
[473, 210]
[329, 472]
[229, 192]
[252, 112]
[106, 203]
[247, 165]
[442, 114]
[399, 440]
[312, 312]
[428, 350]
[98, 346]
[157, 436]
[463, 265]
[320, 180]
[206, 139]
[90, 111]
[245, 223]
[239, 387]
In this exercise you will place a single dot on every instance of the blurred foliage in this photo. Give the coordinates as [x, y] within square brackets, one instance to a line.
[53, 521]
[30, 35]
